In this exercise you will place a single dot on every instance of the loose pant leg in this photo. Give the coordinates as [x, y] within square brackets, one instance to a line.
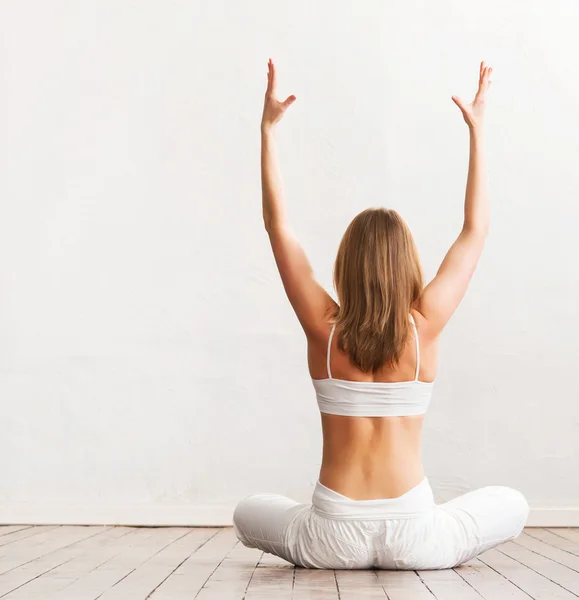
[485, 518]
[445, 537]
[455, 532]
[261, 521]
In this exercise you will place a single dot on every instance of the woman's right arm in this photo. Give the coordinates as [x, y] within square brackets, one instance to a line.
[444, 293]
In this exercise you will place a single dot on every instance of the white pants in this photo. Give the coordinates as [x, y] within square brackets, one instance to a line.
[408, 532]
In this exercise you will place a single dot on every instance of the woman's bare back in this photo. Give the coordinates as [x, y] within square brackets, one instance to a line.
[373, 457]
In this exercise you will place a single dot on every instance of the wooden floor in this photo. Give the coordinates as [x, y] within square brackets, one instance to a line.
[178, 563]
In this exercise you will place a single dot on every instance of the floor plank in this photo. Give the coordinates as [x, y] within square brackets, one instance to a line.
[148, 576]
[534, 584]
[52, 572]
[404, 585]
[139, 546]
[26, 550]
[557, 554]
[488, 582]
[448, 585]
[571, 534]
[232, 577]
[188, 580]
[273, 578]
[312, 584]
[20, 534]
[5, 529]
[359, 585]
[178, 563]
[552, 570]
[553, 539]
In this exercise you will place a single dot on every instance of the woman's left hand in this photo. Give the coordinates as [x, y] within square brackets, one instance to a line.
[473, 112]
[273, 109]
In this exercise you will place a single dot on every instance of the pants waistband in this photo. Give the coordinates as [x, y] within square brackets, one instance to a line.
[414, 503]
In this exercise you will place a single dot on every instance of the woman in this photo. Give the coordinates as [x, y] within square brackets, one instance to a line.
[373, 360]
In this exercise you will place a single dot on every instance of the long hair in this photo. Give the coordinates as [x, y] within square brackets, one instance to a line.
[377, 277]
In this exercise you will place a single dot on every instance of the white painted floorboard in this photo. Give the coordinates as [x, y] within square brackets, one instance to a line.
[178, 563]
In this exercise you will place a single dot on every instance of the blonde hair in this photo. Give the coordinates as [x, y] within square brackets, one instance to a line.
[377, 277]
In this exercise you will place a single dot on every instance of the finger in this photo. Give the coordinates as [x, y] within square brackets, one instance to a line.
[268, 77]
[486, 79]
[481, 72]
[481, 82]
[482, 86]
[288, 101]
[459, 103]
[273, 77]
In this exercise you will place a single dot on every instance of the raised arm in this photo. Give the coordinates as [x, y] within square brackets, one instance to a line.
[444, 293]
[308, 298]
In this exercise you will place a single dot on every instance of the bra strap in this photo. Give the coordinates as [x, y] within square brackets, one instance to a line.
[417, 348]
[328, 352]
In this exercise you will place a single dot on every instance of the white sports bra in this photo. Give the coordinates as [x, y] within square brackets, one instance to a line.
[373, 398]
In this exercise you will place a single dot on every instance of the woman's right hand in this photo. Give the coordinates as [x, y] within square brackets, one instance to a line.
[273, 109]
[473, 113]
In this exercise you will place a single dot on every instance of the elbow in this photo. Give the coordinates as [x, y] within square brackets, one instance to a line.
[477, 230]
[268, 224]
[267, 220]
[271, 224]
[476, 234]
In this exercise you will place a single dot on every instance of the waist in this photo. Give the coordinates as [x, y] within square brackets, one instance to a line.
[414, 503]
[378, 457]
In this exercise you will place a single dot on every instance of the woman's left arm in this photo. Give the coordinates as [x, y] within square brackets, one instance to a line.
[311, 303]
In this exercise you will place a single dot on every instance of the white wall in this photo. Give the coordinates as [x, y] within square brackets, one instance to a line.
[151, 369]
